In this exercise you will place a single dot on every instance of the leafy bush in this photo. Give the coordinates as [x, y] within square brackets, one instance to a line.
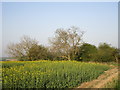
[86, 52]
[37, 52]
[105, 53]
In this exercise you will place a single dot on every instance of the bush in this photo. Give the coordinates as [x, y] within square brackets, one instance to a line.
[87, 52]
[105, 53]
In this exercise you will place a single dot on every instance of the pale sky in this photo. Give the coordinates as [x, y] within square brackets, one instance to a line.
[40, 20]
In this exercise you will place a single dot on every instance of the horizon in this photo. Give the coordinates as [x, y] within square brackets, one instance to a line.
[40, 20]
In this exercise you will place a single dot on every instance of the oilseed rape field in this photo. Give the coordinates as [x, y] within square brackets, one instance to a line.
[49, 74]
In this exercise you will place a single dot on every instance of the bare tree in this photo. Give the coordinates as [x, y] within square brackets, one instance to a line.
[66, 41]
[21, 49]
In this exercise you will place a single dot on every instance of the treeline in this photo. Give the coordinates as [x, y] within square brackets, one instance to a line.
[67, 44]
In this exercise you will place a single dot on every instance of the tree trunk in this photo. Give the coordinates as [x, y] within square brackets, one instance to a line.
[69, 57]
[116, 58]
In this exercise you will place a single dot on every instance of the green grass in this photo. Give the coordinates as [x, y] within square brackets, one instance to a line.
[113, 63]
[49, 74]
[113, 84]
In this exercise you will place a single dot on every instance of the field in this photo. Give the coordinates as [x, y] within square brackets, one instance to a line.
[49, 74]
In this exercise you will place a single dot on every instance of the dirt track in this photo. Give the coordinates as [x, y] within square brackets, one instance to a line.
[102, 80]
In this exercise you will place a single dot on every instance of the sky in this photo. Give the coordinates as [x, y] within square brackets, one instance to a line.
[39, 20]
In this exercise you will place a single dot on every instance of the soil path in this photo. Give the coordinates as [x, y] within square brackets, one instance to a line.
[102, 80]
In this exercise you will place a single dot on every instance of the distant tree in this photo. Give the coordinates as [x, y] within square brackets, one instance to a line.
[87, 52]
[37, 52]
[53, 54]
[116, 54]
[106, 53]
[21, 49]
[66, 41]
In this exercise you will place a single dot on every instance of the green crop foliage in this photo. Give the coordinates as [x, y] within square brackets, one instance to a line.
[49, 74]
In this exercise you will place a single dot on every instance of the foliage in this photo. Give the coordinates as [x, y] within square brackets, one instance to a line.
[49, 74]
[29, 50]
[86, 52]
[38, 52]
[66, 45]
[21, 49]
[106, 53]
